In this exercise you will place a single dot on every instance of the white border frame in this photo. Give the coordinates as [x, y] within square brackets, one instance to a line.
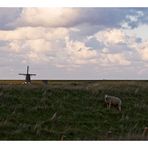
[74, 3]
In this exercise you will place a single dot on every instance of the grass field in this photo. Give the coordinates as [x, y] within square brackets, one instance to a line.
[72, 110]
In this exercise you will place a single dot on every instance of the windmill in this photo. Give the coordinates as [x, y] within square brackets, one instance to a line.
[28, 76]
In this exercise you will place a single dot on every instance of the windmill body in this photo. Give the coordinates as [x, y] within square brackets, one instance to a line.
[27, 75]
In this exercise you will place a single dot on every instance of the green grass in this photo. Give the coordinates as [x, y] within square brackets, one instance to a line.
[72, 110]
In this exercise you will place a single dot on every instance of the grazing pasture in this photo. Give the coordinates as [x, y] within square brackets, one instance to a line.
[73, 110]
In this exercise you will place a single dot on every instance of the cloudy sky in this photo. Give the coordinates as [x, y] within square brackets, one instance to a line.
[74, 43]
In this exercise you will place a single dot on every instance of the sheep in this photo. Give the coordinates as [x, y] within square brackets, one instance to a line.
[145, 132]
[112, 100]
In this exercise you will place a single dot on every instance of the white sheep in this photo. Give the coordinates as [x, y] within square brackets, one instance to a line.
[112, 100]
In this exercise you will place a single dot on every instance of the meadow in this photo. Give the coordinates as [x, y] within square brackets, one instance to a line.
[72, 110]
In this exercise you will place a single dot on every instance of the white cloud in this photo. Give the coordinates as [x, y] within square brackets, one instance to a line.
[15, 46]
[80, 50]
[110, 36]
[140, 31]
[35, 43]
[74, 55]
[54, 46]
[135, 17]
[113, 59]
[142, 49]
[30, 33]
[39, 45]
[105, 50]
[45, 17]
[81, 54]
[51, 45]
[132, 20]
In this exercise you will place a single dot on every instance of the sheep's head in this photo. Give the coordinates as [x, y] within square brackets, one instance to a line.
[105, 98]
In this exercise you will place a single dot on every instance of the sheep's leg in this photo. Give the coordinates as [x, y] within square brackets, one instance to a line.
[109, 105]
[119, 107]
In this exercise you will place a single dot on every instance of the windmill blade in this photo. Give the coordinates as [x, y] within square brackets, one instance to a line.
[32, 74]
[22, 74]
[27, 69]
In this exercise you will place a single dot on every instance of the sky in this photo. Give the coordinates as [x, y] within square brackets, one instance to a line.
[74, 43]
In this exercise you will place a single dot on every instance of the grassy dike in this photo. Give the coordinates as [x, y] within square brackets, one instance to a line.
[73, 110]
